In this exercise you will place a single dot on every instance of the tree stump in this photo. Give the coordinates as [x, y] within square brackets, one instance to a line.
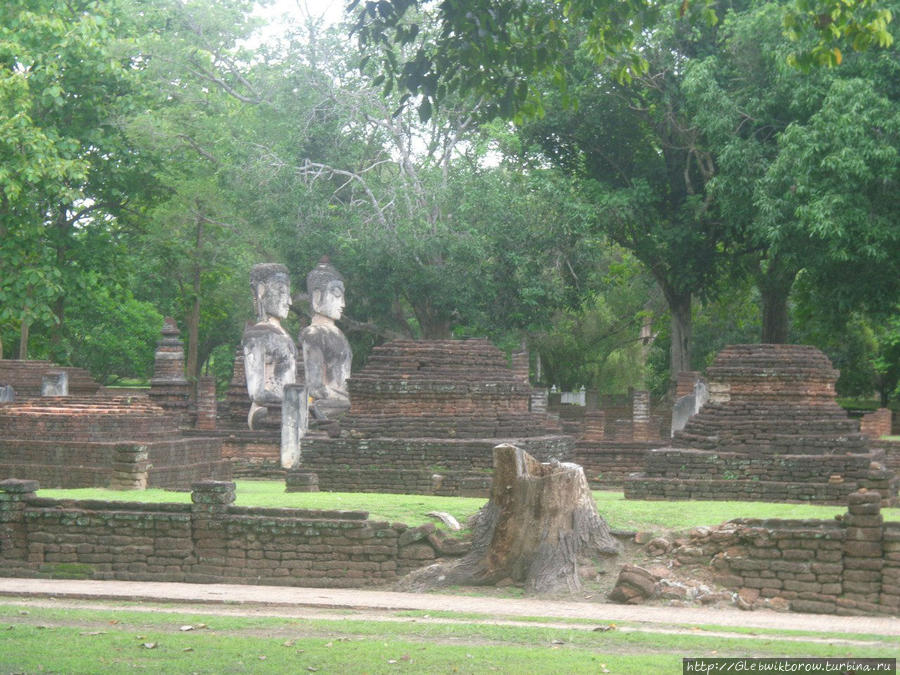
[540, 524]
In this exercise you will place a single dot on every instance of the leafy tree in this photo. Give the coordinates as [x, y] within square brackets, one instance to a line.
[806, 165]
[433, 241]
[67, 77]
[194, 245]
[645, 170]
[113, 334]
[495, 48]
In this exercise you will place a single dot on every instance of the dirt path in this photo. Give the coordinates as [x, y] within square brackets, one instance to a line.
[248, 600]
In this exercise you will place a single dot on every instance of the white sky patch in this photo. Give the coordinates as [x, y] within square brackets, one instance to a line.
[280, 14]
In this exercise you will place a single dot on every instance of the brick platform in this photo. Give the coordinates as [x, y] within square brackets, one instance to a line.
[424, 418]
[771, 431]
[102, 441]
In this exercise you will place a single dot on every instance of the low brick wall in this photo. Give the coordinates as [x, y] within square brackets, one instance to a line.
[208, 541]
[608, 463]
[673, 473]
[442, 466]
[252, 454]
[847, 566]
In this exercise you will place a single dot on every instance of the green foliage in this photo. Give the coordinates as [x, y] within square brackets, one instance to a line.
[598, 344]
[149, 156]
[65, 78]
[806, 170]
[826, 25]
[112, 334]
[499, 49]
[866, 353]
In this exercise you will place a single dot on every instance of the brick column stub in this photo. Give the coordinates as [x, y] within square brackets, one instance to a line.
[220, 492]
[14, 494]
[863, 554]
[18, 486]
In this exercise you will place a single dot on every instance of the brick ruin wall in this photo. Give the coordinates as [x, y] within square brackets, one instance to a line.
[771, 431]
[121, 442]
[607, 464]
[25, 377]
[613, 434]
[877, 424]
[439, 466]
[424, 418]
[846, 566]
[670, 473]
[208, 541]
[849, 566]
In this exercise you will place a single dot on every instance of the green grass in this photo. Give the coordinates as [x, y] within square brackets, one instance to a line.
[122, 640]
[621, 513]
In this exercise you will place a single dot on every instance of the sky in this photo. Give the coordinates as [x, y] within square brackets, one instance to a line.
[329, 10]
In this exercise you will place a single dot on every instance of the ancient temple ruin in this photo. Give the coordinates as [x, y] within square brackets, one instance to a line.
[770, 431]
[424, 418]
[99, 437]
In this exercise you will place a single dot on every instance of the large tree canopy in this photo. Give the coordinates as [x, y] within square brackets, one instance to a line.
[494, 48]
[153, 150]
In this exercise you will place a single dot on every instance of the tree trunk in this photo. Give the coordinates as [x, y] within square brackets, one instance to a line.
[540, 525]
[63, 226]
[774, 317]
[774, 284]
[193, 319]
[23, 339]
[432, 325]
[681, 326]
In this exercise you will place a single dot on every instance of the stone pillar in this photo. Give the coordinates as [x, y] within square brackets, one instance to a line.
[55, 383]
[539, 401]
[293, 424]
[14, 494]
[169, 388]
[131, 468]
[206, 403]
[863, 554]
[210, 502]
[640, 416]
[7, 393]
[521, 366]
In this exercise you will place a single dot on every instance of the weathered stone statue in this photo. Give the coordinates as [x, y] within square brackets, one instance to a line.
[326, 352]
[270, 355]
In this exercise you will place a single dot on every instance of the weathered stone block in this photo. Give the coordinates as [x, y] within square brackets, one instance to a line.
[862, 549]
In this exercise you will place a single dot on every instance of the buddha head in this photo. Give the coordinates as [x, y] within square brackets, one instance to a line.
[271, 286]
[325, 286]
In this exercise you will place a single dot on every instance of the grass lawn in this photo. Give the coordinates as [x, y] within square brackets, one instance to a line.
[619, 512]
[168, 640]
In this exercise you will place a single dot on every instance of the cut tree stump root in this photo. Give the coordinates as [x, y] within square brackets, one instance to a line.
[539, 526]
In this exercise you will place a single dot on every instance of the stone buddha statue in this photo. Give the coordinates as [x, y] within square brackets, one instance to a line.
[270, 355]
[326, 352]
